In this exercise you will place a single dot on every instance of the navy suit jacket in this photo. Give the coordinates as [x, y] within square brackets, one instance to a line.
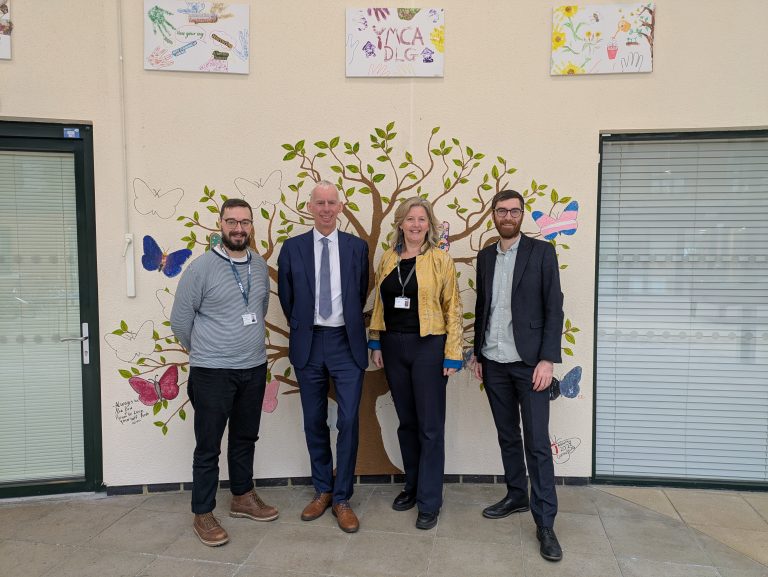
[537, 303]
[296, 289]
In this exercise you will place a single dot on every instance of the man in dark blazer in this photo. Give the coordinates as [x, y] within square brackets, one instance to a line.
[323, 285]
[518, 325]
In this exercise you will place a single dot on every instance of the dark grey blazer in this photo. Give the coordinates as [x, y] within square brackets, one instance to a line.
[537, 303]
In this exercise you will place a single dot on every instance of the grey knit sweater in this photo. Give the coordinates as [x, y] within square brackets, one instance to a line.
[207, 314]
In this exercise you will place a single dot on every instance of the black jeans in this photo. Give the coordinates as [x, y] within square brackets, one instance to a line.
[218, 396]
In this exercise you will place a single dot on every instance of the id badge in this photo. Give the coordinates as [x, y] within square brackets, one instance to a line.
[249, 319]
[402, 303]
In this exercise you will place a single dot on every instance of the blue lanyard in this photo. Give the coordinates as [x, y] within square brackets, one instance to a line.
[239, 282]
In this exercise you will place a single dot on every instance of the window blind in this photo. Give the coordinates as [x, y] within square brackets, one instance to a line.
[41, 403]
[682, 310]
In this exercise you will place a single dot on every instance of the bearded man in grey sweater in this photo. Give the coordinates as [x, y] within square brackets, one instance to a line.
[218, 316]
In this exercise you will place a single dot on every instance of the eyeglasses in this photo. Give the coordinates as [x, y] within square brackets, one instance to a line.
[233, 222]
[503, 212]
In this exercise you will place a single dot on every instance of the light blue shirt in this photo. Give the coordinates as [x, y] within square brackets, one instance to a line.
[499, 343]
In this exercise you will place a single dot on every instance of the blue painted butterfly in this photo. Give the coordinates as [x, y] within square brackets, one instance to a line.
[168, 263]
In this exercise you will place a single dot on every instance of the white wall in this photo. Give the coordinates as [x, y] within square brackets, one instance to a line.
[190, 130]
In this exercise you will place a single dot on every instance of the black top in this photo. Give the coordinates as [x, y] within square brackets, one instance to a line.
[401, 320]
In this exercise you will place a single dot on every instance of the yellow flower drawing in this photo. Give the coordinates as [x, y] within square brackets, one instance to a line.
[568, 11]
[558, 39]
[437, 37]
[569, 69]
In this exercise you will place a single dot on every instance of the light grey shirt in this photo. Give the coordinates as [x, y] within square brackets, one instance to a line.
[208, 309]
[499, 343]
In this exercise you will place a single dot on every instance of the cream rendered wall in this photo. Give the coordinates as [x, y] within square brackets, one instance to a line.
[189, 130]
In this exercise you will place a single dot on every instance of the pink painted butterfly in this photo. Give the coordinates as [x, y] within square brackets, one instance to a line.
[563, 224]
[270, 397]
[152, 391]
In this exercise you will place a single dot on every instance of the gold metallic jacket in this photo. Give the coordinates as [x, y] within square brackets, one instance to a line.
[440, 311]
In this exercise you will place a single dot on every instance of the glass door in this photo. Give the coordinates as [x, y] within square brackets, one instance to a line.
[49, 438]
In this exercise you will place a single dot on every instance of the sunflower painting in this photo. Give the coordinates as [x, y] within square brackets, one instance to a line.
[602, 39]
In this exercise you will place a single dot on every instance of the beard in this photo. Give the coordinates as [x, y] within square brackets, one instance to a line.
[234, 245]
[508, 230]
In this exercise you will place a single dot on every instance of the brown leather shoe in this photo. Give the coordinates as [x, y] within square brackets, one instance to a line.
[208, 530]
[317, 506]
[346, 517]
[251, 506]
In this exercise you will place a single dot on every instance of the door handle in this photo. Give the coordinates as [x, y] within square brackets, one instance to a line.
[84, 341]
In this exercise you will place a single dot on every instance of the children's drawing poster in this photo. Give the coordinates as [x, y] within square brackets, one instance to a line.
[395, 41]
[5, 29]
[603, 39]
[196, 36]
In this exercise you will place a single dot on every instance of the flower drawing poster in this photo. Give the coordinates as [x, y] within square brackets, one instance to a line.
[395, 42]
[196, 36]
[603, 39]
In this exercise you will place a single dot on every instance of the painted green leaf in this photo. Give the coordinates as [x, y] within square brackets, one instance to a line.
[380, 133]
[468, 315]
[408, 156]
[265, 244]
[125, 374]
[118, 332]
[353, 169]
[382, 158]
[289, 156]
[495, 172]
[159, 424]
[213, 209]
[435, 129]
[378, 178]
[182, 414]
[568, 352]
[124, 325]
[352, 206]
[321, 144]
[134, 370]
[299, 145]
[164, 430]
[264, 213]
[336, 168]
[334, 142]
[570, 338]
[287, 372]
[390, 126]
[479, 156]
[156, 407]
[285, 146]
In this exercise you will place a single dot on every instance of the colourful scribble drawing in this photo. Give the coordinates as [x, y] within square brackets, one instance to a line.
[156, 259]
[445, 243]
[241, 50]
[405, 42]
[562, 449]
[602, 39]
[565, 223]
[153, 391]
[160, 23]
[192, 8]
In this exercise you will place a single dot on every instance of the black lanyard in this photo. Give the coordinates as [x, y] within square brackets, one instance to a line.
[400, 278]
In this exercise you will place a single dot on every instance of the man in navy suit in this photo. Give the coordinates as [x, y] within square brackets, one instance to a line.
[518, 325]
[323, 285]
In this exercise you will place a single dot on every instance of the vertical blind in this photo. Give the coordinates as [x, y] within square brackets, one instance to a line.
[41, 402]
[682, 310]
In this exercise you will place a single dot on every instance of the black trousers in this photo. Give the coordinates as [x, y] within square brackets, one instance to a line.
[511, 395]
[414, 368]
[218, 396]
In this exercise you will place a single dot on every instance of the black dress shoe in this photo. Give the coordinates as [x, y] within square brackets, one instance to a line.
[404, 501]
[550, 548]
[506, 507]
[426, 520]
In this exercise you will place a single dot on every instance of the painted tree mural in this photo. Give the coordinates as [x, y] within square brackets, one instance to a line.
[373, 178]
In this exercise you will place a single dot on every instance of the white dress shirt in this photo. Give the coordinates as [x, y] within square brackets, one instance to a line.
[337, 311]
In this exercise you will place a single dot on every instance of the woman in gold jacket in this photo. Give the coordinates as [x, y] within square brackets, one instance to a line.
[415, 336]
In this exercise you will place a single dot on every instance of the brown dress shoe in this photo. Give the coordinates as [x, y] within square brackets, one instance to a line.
[317, 506]
[208, 530]
[346, 516]
[251, 506]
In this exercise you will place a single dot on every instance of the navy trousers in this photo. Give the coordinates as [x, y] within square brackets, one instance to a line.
[331, 357]
[218, 396]
[414, 368]
[510, 392]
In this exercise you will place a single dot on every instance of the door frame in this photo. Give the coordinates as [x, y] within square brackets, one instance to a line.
[60, 136]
